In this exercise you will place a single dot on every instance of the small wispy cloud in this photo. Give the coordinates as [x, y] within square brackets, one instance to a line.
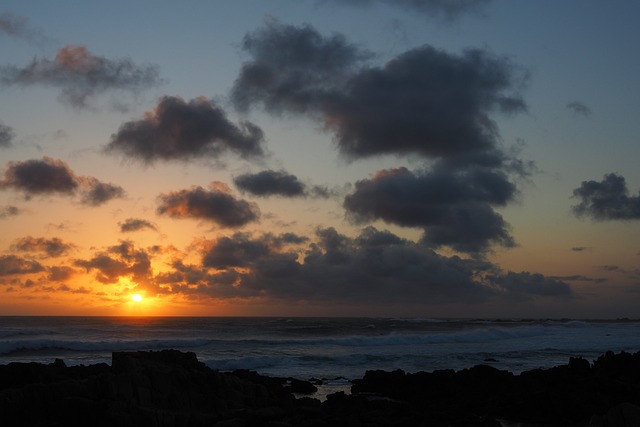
[81, 75]
[579, 108]
[18, 27]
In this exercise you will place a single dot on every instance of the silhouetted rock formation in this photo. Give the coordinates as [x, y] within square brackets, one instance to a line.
[171, 388]
[576, 394]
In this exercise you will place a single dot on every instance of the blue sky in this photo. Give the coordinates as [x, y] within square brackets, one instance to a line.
[519, 199]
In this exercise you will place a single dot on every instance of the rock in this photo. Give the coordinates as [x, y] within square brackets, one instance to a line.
[300, 387]
[169, 388]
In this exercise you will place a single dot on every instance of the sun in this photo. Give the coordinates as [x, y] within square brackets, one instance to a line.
[136, 297]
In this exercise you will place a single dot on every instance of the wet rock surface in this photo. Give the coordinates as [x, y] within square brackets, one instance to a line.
[171, 388]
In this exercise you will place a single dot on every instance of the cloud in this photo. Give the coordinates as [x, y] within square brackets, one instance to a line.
[135, 224]
[6, 136]
[579, 278]
[606, 200]
[526, 284]
[236, 251]
[53, 247]
[65, 288]
[425, 101]
[633, 274]
[12, 264]
[52, 176]
[80, 75]
[581, 248]
[60, 273]
[579, 108]
[96, 193]
[8, 210]
[270, 183]
[123, 260]
[375, 267]
[179, 130]
[44, 176]
[17, 26]
[216, 204]
[280, 183]
[447, 10]
[454, 208]
[610, 268]
[292, 68]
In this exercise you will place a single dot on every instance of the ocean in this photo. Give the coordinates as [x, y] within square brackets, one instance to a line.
[335, 349]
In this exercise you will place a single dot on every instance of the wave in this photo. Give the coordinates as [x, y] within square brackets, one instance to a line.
[19, 341]
[24, 332]
[396, 338]
[9, 347]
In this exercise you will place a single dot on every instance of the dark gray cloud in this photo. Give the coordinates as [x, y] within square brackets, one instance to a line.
[96, 193]
[46, 176]
[525, 284]
[12, 264]
[80, 75]
[53, 247]
[633, 274]
[8, 210]
[425, 101]
[179, 130]
[289, 238]
[606, 200]
[6, 136]
[270, 183]
[135, 224]
[18, 27]
[375, 267]
[579, 108]
[280, 183]
[579, 278]
[447, 10]
[454, 208]
[123, 260]
[65, 288]
[236, 251]
[53, 176]
[182, 275]
[108, 269]
[581, 248]
[293, 68]
[216, 204]
[60, 273]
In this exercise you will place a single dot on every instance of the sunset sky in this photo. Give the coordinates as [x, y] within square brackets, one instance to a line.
[430, 158]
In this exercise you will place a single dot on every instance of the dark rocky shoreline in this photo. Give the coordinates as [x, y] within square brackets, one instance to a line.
[171, 388]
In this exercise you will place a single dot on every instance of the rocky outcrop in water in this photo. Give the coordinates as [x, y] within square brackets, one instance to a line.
[171, 388]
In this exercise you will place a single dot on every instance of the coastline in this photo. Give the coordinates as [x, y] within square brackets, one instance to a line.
[172, 388]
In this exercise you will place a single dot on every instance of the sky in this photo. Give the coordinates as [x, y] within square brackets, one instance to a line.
[423, 158]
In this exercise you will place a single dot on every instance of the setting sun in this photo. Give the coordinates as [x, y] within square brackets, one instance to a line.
[136, 297]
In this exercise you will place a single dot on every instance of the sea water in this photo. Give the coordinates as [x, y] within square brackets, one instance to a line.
[326, 348]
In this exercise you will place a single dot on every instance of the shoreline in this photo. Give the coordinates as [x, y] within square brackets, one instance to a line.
[172, 388]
